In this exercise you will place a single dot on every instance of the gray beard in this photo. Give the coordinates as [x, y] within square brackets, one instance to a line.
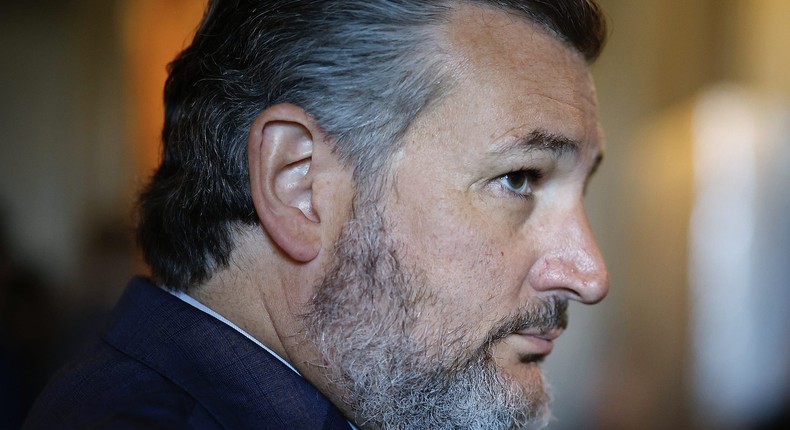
[366, 322]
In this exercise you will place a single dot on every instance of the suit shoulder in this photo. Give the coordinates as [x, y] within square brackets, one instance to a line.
[105, 388]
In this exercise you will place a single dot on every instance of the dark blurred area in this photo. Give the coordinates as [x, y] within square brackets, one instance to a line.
[29, 319]
[691, 206]
[40, 331]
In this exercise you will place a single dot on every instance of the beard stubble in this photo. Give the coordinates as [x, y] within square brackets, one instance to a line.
[395, 370]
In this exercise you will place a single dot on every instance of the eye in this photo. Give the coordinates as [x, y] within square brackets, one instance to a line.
[520, 181]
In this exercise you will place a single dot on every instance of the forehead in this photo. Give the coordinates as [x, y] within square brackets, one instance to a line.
[511, 73]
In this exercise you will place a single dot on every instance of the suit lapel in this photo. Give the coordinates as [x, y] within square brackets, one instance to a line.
[239, 383]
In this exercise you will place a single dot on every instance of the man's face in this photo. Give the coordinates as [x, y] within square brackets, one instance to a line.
[453, 285]
[488, 194]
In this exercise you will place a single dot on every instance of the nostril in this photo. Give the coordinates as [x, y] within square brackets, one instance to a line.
[575, 274]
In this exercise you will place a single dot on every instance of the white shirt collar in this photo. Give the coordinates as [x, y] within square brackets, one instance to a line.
[189, 299]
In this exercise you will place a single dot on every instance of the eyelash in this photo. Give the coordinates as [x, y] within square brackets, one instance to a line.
[531, 177]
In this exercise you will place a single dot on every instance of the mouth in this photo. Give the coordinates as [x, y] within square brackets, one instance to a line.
[534, 346]
[529, 333]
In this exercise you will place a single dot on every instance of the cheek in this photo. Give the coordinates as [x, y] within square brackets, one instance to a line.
[447, 244]
[467, 264]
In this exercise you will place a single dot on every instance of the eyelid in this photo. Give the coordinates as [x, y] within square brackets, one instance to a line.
[533, 178]
[591, 173]
[534, 175]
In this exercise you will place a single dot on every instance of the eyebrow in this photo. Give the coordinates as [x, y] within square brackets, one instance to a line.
[540, 140]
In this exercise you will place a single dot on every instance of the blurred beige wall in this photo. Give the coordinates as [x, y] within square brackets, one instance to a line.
[63, 168]
[759, 34]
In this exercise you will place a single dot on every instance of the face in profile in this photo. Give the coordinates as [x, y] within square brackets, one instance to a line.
[447, 292]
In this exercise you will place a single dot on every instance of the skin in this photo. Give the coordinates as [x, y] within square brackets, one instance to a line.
[487, 248]
[487, 241]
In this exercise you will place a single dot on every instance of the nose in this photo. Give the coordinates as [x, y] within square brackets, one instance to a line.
[572, 264]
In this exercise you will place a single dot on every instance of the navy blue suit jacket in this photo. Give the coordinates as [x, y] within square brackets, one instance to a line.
[164, 364]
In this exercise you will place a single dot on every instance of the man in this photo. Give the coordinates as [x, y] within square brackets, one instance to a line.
[369, 213]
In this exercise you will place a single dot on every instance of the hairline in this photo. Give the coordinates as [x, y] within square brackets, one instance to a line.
[196, 191]
[449, 70]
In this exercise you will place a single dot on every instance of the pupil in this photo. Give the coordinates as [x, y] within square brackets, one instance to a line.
[517, 180]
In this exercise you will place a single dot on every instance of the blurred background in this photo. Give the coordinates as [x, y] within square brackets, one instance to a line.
[691, 207]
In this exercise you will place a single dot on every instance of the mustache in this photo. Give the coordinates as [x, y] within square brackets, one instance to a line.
[541, 316]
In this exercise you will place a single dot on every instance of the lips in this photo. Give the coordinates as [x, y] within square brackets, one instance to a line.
[535, 344]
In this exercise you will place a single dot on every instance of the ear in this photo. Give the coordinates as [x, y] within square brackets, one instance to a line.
[280, 155]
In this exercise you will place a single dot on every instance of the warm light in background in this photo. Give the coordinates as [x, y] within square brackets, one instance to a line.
[154, 32]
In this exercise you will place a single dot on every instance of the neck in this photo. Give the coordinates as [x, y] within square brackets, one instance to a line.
[240, 294]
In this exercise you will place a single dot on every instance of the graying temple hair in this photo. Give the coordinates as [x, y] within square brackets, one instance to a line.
[364, 69]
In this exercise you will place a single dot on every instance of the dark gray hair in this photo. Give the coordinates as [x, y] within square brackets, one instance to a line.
[363, 69]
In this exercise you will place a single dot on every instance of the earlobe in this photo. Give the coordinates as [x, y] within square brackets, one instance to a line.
[280, 156]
